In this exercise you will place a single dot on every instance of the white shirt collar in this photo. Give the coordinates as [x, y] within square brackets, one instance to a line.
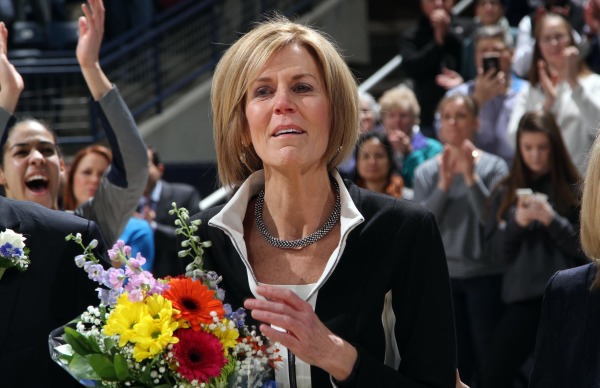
[230, 219]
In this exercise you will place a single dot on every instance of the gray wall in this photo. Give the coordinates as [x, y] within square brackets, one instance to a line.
[183, 132]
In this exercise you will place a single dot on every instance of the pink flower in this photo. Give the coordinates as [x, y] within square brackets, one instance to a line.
[199, 354]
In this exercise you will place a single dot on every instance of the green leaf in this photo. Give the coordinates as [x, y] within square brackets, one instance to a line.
[78, 341]
[109, 344]
[103, 366]
[121, 367]
[80, 368]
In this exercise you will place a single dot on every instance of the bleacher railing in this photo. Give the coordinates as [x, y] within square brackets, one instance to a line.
[151, 65]
[396, 60]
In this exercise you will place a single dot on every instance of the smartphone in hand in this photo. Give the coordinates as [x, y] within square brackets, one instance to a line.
[491, 61]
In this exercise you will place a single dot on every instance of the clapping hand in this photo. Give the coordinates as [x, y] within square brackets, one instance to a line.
[301, 331]
[11, 82]
[457, 160]
[547, 82]
[399, 141]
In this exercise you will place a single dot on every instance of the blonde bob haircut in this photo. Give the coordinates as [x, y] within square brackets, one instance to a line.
[590, 210]
[241, 65]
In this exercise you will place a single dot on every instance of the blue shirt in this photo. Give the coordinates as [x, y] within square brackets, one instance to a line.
[140, 237]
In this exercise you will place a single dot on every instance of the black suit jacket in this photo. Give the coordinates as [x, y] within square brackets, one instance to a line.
[398, 247]
[51, 292]
[567, 351]
[166, 261]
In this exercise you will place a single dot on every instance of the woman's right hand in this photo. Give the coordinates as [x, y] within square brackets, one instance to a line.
[523, 214]
[11, 82]
[446, 169]
[301, 331]
[547, 85]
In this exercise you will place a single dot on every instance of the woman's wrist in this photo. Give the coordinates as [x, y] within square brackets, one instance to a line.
[348, 378]
[343, 362]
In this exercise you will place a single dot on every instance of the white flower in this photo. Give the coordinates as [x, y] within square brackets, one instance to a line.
[15, 239]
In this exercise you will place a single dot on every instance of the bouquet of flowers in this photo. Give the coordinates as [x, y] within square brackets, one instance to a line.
[168, 332]
[13, 252]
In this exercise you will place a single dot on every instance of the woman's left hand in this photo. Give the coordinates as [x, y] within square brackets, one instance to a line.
[303, 333]
[571, 67]
[91, 31]
[465, 161]
[542, 211]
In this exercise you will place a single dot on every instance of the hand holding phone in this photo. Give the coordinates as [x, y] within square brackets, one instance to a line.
[491, 61]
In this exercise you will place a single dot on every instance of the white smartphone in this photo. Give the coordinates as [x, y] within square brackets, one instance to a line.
[524, 192]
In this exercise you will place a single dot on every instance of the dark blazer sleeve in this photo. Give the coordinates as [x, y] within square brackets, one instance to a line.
[424, 327]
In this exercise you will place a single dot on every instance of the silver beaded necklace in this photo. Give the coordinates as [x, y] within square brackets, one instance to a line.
[300, 243]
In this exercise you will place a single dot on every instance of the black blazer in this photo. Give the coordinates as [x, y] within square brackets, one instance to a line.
[166, 261]
[50, 293]
[398, 247]
[567, 352]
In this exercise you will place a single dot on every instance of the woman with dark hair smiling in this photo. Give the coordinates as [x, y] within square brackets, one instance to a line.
[30, 161]
[375, 168]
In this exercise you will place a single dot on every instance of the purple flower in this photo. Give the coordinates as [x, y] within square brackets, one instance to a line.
[136, 295]
[138, 261]
[114, 277]
[96, 272]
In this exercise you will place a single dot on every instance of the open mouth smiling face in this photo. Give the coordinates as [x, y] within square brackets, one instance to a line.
[31, 165]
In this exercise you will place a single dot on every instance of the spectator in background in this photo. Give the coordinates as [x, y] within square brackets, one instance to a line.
[567, 352]
[82, 180]
[154, 207]
[400, 119]
[375, 169]
[524, 51]
[31, 167]
[433, 45]
[369, 121]
[561, 83]
[494, 90]
[455, 186]
[534, 234]
[127, 15]
[487, 13]
[592, 34]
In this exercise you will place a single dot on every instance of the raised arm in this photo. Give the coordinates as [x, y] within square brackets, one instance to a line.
[121, 187]
[11, 82]
[91, 31]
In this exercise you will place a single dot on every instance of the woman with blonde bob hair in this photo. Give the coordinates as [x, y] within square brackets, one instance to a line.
[567, 352]
[310, 255]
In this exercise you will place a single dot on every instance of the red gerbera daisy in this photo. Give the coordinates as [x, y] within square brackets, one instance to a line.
[194, 300]
[199, 354]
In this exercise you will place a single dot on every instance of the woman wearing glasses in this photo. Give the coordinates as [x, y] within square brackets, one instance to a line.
[561, 83]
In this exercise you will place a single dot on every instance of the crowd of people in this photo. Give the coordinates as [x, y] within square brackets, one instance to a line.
[509, 113]
[439, 231]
